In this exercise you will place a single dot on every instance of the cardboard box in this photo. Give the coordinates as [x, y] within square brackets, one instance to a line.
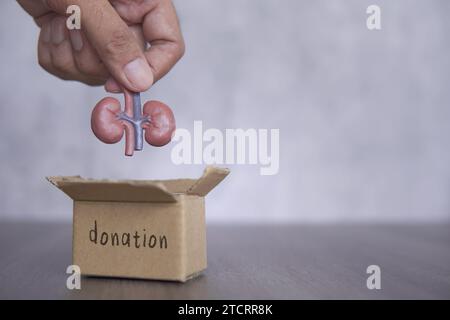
[140, 229]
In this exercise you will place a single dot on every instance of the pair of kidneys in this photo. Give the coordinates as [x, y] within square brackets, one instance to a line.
[109, 122]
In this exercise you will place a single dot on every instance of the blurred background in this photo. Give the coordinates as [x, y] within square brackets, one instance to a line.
[363, 115]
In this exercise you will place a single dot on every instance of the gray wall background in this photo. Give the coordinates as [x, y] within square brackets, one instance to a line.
[364, 116]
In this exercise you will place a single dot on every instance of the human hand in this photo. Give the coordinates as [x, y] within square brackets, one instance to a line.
[111, 47]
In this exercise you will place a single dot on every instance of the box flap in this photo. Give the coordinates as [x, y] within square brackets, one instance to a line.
[79, 188]
[177, 185]
[211, 177]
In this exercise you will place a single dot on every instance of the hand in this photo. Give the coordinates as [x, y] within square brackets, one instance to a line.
[111, 47]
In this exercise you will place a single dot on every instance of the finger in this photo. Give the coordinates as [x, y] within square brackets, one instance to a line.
[113, 41]
[112, 86]
[61, 49]
[55, 53]
[86, 58]
[162, 30]
[137, 31]
[45, 54]
[132, 11]
[35, 8]
[44, 47]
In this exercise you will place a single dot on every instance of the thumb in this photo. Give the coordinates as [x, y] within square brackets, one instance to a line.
[115, 43]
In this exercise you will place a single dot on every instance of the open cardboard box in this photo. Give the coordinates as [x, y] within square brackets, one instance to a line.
[140, 229]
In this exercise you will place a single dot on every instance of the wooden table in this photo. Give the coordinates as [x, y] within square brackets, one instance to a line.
[248, 262]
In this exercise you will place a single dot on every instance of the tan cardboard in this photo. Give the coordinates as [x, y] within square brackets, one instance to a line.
[140, 229]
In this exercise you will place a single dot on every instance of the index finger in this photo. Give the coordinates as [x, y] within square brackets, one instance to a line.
[161, 29]
[35, 8]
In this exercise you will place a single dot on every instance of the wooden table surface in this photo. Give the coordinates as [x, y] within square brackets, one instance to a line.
[248, 262]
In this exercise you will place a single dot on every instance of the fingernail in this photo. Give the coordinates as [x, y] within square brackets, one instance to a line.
[76, 40]
[140, 75]
[58, 31]
[46, 33]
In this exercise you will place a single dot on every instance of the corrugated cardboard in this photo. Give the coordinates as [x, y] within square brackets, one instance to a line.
[140, 229]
